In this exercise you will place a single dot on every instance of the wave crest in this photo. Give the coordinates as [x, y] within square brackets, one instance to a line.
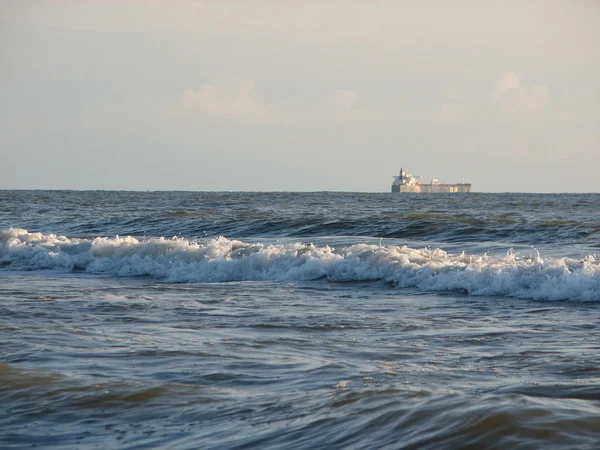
[222, 259]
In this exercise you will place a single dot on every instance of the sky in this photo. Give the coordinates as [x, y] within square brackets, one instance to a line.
[277, 95]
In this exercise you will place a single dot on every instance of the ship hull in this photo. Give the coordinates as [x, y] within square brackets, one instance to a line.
[432, 188]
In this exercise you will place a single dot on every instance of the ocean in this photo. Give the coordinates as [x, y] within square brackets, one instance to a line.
[188, 320]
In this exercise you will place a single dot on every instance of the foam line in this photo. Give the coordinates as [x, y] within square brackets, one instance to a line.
[222, 259]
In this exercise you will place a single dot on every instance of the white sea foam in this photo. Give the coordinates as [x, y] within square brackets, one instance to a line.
[221, 259]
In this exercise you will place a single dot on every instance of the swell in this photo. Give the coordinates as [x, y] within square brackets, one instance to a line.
[441, 228]
[63, 412]
[515, 218]
[426, 419]
[221, 260]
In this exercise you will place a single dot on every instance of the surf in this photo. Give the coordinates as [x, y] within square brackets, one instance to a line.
[220, 259]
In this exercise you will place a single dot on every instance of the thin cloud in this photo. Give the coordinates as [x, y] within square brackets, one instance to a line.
[236, 101]
[448, 113]
[343, 105]
[510, 96]
[343, 102]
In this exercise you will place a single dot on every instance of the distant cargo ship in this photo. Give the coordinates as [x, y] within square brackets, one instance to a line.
[406, 182]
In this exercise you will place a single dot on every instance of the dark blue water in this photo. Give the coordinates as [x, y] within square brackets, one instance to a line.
[511, 219]
[294, 320]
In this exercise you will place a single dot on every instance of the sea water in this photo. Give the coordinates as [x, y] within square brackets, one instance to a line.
[189, 320]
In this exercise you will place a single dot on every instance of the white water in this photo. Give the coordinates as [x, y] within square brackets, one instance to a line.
[221, 259]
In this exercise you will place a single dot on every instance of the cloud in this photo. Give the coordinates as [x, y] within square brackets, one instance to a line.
[236, 101]
[507, 82]
[451, 111]
[448, 113]
[565, 116]
[511, 96]
[344, 100]
[341, 105]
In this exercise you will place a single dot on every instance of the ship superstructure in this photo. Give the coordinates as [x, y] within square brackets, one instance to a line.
[407, 182]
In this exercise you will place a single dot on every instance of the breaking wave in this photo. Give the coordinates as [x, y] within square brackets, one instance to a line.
[222, 259]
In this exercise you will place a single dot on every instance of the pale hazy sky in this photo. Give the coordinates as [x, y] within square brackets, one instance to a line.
[301, 96]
